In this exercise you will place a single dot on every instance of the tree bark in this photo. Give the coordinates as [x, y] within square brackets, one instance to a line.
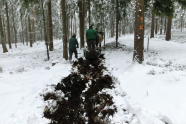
[156, 29]
[8, 26]
[165, 28]
[30, 31]
[81, 24]
[89, 12]
[2, 36]
[26, 30]
[15, 31]
[33, 27]
[4, 31]
[45, 33]
[168, 33]
[65, 51]
[161, 26]
[51, 47]
[139, 32]
[117, 21]
[152, 24]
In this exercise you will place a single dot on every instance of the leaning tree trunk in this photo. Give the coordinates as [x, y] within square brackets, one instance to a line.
[168, 33]
[2, 36]
[139, 32]
[65, 52]
[8, 26]
[51, 47]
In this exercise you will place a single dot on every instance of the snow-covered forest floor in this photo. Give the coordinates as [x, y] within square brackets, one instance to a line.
[152, 92]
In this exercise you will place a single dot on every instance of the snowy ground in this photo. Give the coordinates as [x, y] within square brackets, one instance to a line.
[155, 90]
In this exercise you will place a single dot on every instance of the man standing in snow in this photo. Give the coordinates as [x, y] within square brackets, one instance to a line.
[91, 36]
[73, 44]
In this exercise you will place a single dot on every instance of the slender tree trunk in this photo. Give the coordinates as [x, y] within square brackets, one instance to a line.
[22, 32]
[4, 31]
[165, 28]
[8, 27]
[71, 23]
[156, 29]
[65, 51]
[168, 33]
[30, 31]
[117, 21]
[51, 47]
[67, 21]
[89, 12]
[139, 32]
[26, 30]
[2, 36]
[161, 26]
[33, 27]
[181, 23]
[15, 31]
[45, 33]
[81, 24]
[152, 25]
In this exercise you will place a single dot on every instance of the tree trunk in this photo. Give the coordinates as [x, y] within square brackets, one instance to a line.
[168, 33]
[156, 29]
[161, 26]
[33, 27]
[15, 31]
[165, 28]
[139, 32]
[65, 51]
[152, 24]
[81, 24]
[67, 21]
[30, 31]
[89, 12]
[4, 31]
[8, 27]
[51, 47]
[22, 32]
[117, 20]
[2, 36]
[44, 27]
[26, 28]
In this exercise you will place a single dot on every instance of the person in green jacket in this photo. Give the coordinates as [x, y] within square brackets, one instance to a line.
[73, 44]
[91, 36]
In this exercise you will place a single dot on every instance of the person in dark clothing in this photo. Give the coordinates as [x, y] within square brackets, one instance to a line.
[73, 44]
[91, 36]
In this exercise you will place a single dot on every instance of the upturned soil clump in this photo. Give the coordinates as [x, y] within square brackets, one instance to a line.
[81, 98]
